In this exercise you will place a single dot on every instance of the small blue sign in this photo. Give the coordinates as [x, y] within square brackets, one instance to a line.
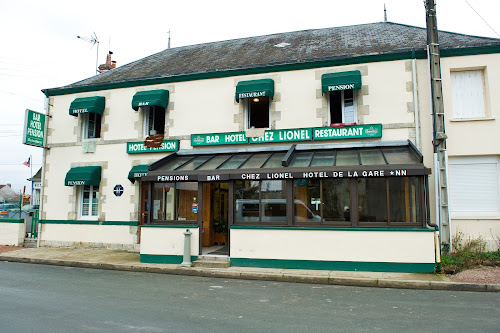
[118, 190]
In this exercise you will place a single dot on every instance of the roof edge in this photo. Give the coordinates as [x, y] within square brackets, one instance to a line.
[300, 65]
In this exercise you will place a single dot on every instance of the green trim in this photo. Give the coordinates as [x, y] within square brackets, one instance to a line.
[130, 223]
[470, 51]
[163, 259]
[150, 98]
[93, 104]
[332, 228]
[400, 267]
[193, 226]
[421, 54]
[11, 220]
[85, 175]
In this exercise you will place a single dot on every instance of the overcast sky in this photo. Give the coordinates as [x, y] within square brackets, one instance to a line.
[40, 48]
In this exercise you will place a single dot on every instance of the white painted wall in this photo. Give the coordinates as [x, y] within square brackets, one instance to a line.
[333, 245]
[11, 233]
[83, 235]
[167, 241]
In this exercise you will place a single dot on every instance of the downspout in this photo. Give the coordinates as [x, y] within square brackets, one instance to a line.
[415, 100]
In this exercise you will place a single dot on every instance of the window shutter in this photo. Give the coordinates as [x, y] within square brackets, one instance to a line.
[474, 187]
[467, 94]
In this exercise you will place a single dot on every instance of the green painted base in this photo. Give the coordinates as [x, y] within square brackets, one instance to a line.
[396, 267]
[163, 259]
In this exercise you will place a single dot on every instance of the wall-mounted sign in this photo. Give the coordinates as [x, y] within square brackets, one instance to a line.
[118, 190]
[348, 132]
[139, 147]
[34, 128]
[289, 135]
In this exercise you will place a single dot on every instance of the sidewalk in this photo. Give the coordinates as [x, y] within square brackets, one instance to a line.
[127, 261]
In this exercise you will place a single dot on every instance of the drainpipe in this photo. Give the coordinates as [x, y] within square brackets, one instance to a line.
[415, 100]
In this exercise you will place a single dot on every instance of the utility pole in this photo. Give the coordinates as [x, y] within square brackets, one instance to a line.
[439, 137]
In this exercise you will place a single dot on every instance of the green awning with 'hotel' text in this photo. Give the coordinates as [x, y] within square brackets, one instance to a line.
[87, 105]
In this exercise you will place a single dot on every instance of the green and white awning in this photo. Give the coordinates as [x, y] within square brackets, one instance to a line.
[341, 81]
[86, 175]
[255, 88]
[150, 98]
[137, 172]
[94, 104]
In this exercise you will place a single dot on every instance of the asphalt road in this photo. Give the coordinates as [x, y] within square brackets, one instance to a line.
[39, 298]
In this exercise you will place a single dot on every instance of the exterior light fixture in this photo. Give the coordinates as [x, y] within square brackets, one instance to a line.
[256, 100]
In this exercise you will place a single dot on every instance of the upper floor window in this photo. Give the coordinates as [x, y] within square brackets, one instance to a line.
[467, 94]
[257, 112]
[342, 107]
[257, 95]
[91, 125]
[154, 120]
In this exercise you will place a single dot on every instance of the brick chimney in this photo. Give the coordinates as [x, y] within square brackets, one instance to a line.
[108, 65]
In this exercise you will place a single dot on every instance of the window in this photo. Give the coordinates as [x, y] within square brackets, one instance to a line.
[257, 112]
[390, 200]
[89, 201]
[474, 185]
[154, 120]
[322, 200]
[174, 201]
[260, 201]
[467, 93]
[91, 125]
[342, 107]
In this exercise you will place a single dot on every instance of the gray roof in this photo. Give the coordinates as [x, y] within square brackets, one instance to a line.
[296, 47]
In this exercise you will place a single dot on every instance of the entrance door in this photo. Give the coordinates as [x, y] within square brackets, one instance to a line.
[143, 211]
[215, 231]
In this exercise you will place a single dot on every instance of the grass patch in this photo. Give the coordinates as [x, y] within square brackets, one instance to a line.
[467, 254]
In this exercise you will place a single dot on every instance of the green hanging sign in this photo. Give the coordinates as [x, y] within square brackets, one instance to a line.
[348, 132]
[139, 147]
[34, 129]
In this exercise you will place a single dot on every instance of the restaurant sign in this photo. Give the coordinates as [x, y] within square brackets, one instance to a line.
[34, 128]
[139, 147]
[289, 135]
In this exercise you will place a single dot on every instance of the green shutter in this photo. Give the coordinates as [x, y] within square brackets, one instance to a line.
[341, 81]
[94, 104]
[255, 88]
[150, 98]
[137, 172]
[87, 175]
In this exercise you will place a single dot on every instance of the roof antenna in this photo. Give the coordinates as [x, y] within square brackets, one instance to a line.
[169, 38]
[385, 14]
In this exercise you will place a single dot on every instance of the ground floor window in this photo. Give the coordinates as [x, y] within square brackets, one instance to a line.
[260, 201]
[89, 201]
[174, 201]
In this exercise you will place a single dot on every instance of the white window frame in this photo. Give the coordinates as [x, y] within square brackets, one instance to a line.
[85, 125]
[354, 103]
[247, 114]
[81, 190]
[462, 110]
[146, 119]
[480, 212]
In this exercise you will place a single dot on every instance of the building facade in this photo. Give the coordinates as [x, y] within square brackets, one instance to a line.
[309, 149]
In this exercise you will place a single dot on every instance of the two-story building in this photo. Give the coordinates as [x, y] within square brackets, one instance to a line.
[308, 149]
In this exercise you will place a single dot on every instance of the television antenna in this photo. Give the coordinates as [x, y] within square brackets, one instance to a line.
[93, 40]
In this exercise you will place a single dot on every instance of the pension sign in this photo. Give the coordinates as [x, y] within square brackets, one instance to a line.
[34, 128]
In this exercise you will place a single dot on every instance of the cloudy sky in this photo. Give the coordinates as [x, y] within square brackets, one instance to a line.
[40, 48]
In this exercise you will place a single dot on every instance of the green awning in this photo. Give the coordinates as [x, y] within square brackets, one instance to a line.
[86, 175]
[341, 81]
[150, 97]
[87, 105]
[137, 172]
[255, 88]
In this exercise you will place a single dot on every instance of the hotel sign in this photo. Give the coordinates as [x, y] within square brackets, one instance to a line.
[289, 135]
[139, 147]
[34, 128]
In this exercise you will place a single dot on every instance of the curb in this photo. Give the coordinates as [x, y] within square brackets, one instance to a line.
[281, 277]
